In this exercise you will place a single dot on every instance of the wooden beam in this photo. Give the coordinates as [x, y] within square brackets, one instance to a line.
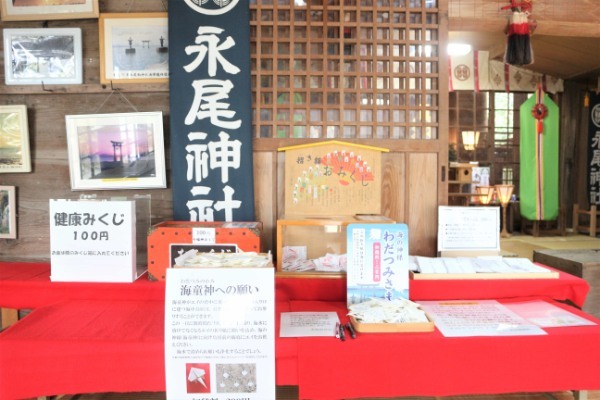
[544, 27]
[593, 70]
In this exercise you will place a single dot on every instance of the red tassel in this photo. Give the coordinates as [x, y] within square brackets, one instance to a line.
[539, 110]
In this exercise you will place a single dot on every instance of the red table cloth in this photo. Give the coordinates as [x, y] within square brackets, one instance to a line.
[117, 346]
[564, 288]
[84, 346]
[27, 285]
[429, 364]
[100, 337]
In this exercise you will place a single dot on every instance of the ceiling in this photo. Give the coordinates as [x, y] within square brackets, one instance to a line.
[566, 42]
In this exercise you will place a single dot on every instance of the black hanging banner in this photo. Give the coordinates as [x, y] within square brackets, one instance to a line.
[593, 173]
[210, 104]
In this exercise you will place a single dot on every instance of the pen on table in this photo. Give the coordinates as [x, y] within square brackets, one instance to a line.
[337, 330]
[342, 333]
[351, 330]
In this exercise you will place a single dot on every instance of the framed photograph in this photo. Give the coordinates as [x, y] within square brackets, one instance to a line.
[42, 10]
[42, 55]
[8, 214]
[116, 151]
[134, 48]
[14, 139]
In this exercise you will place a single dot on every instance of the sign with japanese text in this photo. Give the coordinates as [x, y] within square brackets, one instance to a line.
[220, 334]
[468, 228]
[211, 127]
[92, 241]
[377, 262]
[593, 172]
[332, 177]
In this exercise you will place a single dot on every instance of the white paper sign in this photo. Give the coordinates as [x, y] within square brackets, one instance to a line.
[459, 318]
[309, 323]
[92, 241]
[468, 228]
[204, 235]
[220, 333]
[547, 315]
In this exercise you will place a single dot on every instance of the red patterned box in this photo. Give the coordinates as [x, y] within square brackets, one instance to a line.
[246, 235]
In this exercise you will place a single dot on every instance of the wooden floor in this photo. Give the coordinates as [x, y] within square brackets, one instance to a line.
[525, 245]
[519, 245]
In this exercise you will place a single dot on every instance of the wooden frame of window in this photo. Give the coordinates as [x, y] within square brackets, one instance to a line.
[366, 70]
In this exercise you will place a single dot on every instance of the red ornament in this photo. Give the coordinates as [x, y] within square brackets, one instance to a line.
[539, 112]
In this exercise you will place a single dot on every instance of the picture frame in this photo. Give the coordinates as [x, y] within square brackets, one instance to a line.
[8, 214]
[134, 48]
[43, 10]
[14, 139]
[116, 151]
[42, 56]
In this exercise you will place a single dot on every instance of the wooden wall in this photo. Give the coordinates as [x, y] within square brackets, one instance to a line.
[413, 178]
[410, 188]
[46, 108]
[573, 152]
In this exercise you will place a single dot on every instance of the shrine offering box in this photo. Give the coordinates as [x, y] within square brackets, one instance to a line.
[244, 235]
[316, 245]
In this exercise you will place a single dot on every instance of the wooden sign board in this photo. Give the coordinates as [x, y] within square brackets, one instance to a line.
[332, 178]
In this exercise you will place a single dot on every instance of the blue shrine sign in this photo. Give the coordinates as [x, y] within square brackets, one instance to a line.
[211, 108]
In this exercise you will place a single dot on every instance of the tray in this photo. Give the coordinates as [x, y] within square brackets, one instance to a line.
[392, 328]
[486, 275]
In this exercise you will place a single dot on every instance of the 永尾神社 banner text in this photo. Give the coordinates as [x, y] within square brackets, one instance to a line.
[210, 110]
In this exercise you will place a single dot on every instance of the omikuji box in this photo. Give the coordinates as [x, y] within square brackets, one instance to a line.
[244, 235]
[327, 186]
[316, 246]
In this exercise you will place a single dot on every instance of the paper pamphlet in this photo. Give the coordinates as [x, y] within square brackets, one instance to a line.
[310, 323]
[547, 315]
[458, 318]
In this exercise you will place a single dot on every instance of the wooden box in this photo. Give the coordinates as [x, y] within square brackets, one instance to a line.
[462, 173]
[584, 263]
[245, 235]
[301, 239]
[392, 328]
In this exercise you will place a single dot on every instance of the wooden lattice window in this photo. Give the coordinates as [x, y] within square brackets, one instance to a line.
[364, 69]
[496, 116]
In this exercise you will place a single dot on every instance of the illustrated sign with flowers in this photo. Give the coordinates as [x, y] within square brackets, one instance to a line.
[332, 178]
